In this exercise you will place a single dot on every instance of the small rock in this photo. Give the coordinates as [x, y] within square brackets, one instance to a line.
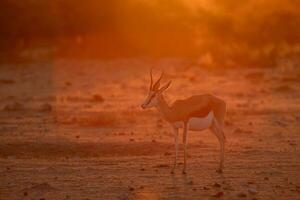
[167, 154]
[218, 195]
[252, 190]
[131, 188]
[68, 83]
[45, 108]
[190, 183]
[217, 185]
[153, 141]
[159, 125]
[242, 194]
[205, 188]
[25, 193]
[97, 98]
[14, 107]
[280, 123]
[284, 88]
[77, 136]
[238, 130]
[266, 178]
[162, 166]
[7, 81]
[131, 140]
[228, 188]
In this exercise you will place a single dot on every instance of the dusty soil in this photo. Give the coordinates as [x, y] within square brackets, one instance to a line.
[72, 129]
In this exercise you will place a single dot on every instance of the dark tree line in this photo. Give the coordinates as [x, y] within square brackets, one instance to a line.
[241, 27]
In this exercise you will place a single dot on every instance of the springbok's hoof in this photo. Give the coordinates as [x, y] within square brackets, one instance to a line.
[219, 171]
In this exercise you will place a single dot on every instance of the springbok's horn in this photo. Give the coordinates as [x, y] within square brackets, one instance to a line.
[156, 85]
[151, 79]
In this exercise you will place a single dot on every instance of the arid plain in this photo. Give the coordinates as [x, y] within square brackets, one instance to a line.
[74, 129]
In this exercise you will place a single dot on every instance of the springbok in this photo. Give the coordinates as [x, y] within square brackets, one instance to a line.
[197, 113]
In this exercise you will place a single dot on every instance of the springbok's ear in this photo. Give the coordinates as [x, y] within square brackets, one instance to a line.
[163, 88]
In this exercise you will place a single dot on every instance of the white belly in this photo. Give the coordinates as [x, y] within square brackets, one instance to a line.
[197, 123]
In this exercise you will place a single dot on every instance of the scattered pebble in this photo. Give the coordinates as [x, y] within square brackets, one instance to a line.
[205, 188]
[284, 88]
[217, 185]
[25, 193]
[131, 188]
[190, 183]
[131, 140]
[266, 178]
[228, 188]
[68, 83]
[252, 190]
[238, 130]
[97, 98]
[162, 166]
[14, 107]
[218, 195]
[280, 123]
[7, 81]
[45, 108]
[167, 154]
[242, 194]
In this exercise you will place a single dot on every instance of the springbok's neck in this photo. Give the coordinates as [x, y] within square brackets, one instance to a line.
[163, 107]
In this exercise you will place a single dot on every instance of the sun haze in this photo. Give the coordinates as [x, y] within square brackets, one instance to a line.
[149, 99]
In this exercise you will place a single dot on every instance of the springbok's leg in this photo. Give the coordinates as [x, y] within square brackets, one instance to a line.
[215, 128]
[175, 130]
[185, 129]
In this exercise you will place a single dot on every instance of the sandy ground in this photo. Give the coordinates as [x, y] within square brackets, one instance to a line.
[72, 129]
